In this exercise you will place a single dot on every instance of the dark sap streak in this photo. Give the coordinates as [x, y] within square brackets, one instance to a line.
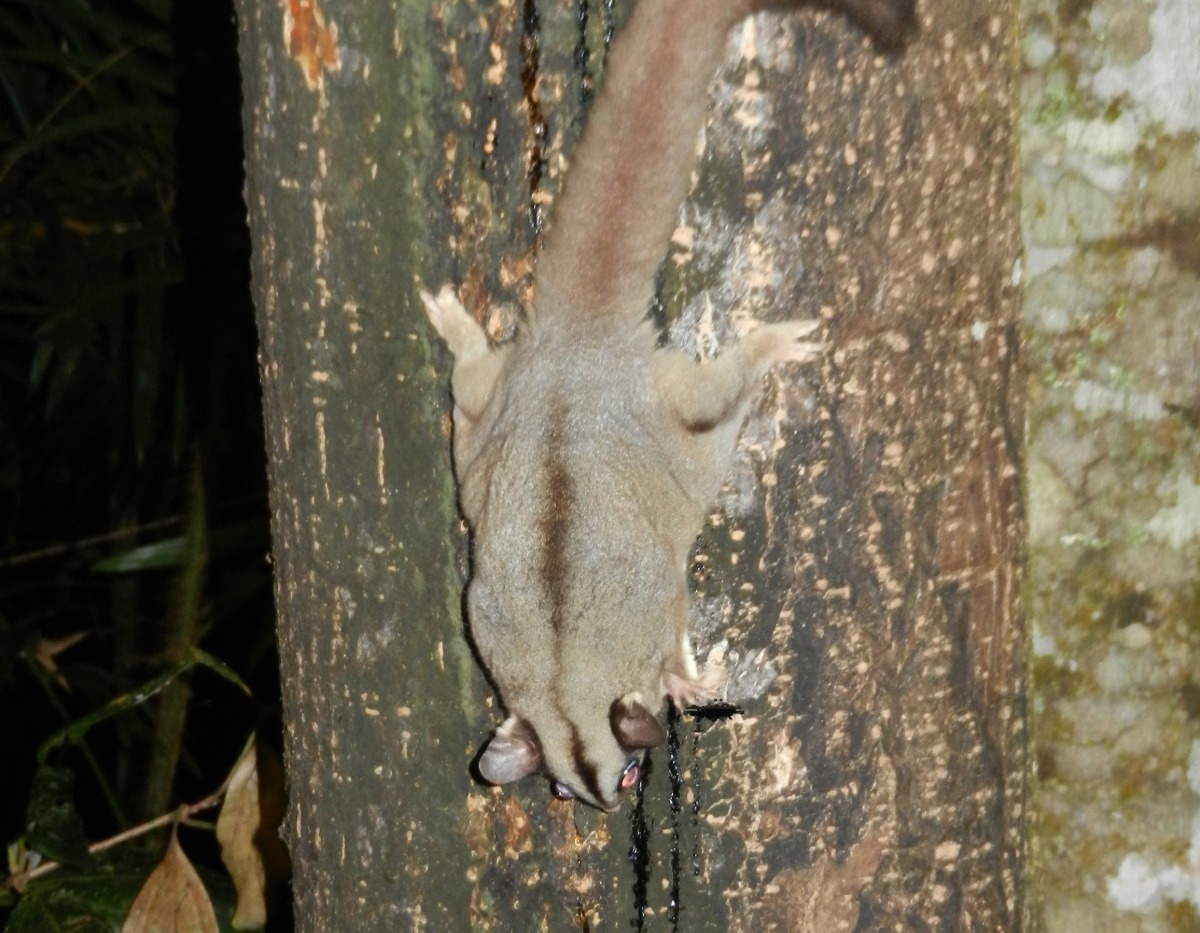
[675, 773]
[531, 37]
[714, 712]
[639, 849]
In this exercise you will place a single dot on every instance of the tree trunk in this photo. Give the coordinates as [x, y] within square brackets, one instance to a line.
[863, 572]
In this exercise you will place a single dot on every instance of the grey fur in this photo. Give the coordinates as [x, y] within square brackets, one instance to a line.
[587, 458]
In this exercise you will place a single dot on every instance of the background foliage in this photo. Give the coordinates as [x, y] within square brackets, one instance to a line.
[133, 522]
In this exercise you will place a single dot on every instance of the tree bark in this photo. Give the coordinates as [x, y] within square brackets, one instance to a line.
[863, 572]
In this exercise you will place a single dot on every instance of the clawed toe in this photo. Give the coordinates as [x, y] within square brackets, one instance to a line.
[690, 691]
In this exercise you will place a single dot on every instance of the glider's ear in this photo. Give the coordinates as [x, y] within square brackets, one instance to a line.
[511, 753]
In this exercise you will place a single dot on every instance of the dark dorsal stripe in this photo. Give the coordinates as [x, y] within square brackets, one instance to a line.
[555, 521]
[701, 427]
[531, 736]
[584, 768]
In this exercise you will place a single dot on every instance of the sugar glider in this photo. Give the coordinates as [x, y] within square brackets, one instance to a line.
[587, 458]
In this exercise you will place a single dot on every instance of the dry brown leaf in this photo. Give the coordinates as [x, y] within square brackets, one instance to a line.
[48, 649]
[173, 899]
[237, 826]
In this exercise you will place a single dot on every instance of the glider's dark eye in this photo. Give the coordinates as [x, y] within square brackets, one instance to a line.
[562, 792]
[629, 776]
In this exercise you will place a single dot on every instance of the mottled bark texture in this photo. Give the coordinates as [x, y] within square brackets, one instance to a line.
[868, 550]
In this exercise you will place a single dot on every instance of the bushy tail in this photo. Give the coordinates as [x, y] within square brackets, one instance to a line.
[612, 224]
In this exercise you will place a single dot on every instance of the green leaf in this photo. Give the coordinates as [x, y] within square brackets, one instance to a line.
[53, 826]
[91, 124]
[215, 664]
[224, 541]
[97, 901]
[156, 556]
[75, 731]
[59, 909]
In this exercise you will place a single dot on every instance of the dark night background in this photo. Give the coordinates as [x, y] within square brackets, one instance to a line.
[129, 407]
